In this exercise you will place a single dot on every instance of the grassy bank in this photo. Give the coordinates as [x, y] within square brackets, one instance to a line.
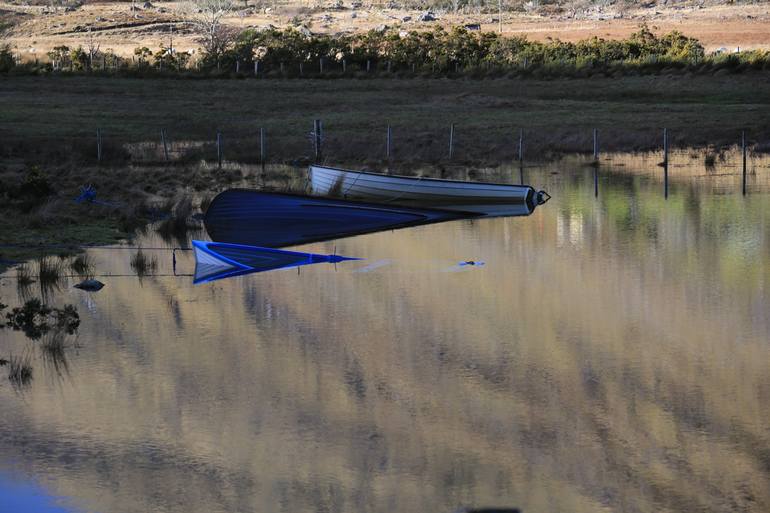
[39, 217]
[54, 119]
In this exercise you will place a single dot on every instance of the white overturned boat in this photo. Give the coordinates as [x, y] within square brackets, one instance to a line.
[487, 198]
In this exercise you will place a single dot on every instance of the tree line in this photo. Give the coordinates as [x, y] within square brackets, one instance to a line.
[457, 51]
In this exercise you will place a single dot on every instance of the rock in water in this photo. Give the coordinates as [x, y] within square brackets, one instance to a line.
[90, 285]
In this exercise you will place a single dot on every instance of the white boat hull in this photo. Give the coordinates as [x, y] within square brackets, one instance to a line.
[449, 194]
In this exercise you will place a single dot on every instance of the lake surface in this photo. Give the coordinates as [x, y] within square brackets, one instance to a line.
[612, 354]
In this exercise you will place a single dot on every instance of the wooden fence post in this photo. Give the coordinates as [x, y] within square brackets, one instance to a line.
[451, 140]
[165, 143]
[521, 146]
[665, 163]
[317, 138]
[99, 145]
[262, 152]
[344, 65]
[388, 144]
[219, 149]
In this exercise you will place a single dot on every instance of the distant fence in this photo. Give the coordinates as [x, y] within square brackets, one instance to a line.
[389, 146]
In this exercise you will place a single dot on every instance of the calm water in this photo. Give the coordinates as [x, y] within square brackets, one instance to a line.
[612, 354]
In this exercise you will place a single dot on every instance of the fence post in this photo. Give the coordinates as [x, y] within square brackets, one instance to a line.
[256, 68]
[451, 140]
[665, 163]
[368, 65]
[521, 146]
[300, 69]
[99, 145]
[237, 66]
[388, 144]
[743, 153]
[344, 66]
[165, 144]
[219, 149]
[317, 138]
[262, 147]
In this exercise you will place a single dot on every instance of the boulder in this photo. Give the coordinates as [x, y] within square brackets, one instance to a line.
[90, 285]
[427, 16]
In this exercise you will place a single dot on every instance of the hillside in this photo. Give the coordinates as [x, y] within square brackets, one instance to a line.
[34, 29]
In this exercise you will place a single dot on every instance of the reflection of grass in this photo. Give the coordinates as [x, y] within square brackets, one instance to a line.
[24, 276]
[53, 348]
[142, 264]
[50, 270]
[20, 370]
[82, 265]
[178, 225]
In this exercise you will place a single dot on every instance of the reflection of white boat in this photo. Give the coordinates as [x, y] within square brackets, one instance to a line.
[406, 190]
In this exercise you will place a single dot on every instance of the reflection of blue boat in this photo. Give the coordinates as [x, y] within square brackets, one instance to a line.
[217, 260]
[277, 219]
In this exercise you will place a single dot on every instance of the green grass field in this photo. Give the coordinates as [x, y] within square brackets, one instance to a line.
[57, 115]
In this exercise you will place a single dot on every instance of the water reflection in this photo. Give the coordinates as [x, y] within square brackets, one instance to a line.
[217, 260]
[18, 497]
[611, 354]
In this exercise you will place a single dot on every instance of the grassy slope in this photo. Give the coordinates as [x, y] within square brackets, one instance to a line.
[558, 115]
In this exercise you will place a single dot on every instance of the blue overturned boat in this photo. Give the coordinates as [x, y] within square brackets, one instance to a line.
[218, 260]
[270, 219]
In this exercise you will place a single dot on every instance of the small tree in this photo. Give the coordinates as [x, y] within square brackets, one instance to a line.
[216, 37]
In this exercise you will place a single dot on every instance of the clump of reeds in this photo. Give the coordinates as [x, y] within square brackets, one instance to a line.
[82, 265]
[20, 370]
[205, 203]
[176, 227]
[49, 270]
[142, 264]
[710, 160]
[24, 276]
[53, 347]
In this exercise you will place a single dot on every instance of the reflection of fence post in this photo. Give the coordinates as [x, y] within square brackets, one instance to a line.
[368, 65]
[300, 69]
[344, 65]
[596, 144]
[219, 149]
[99, 145]
[165, 144]
[237, 66]
[321, 65]
[665, 162]
[743, 152]
[256, 68]
[317, 139]
[388, 143]
[451, 140]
